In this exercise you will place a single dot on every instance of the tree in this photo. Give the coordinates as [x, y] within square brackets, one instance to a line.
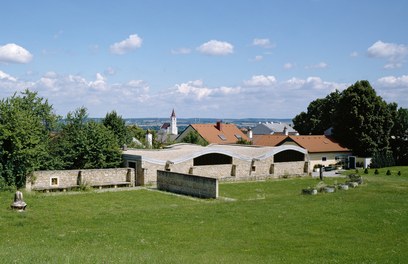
[399, 137]
[362, 120]
[194, 138]
[84, 144]
[319, 116]
[26, 123]
[117, 125]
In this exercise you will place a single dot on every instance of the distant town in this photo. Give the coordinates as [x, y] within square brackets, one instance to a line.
[182, 123]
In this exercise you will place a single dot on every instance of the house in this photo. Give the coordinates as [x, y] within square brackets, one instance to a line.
[323, 150]
[224, 162]
[274, 128]
[218, 133]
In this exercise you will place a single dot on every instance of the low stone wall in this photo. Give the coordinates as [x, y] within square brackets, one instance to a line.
[67, 179]
[197, 186]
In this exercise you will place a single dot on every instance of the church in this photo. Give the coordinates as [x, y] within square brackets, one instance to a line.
[168, 132]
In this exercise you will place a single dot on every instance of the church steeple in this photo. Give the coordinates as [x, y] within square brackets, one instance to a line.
[173, 124]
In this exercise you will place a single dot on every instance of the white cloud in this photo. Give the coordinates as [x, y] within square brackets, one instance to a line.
[182, 51]
[258, 58]
[288, 66]
[393, 89]
[6, 77]
[261, 80]
[124, 46]
[320, 65]
[14, 54]
[262, 42]
[395, 54]
[392, 81]
[216, 48]
[99, 83]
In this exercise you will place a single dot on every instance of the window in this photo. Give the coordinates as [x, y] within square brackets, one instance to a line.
[54, 181]
[222, 137]
[289, 156]
[238, 136]
[324, 158]
[212, 159]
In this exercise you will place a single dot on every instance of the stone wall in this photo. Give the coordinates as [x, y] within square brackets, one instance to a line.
[197, 186]
[65, 179]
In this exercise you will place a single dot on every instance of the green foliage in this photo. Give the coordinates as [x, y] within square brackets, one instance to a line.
[194, 138]
[376, 172]
[86, 144]
[399, 173]
[319, 116]
[243, 142]
[365, 171]
[382, 159]
[363, 120]
[388, 172]
[117, 125]
[399, 137]
[26, 122]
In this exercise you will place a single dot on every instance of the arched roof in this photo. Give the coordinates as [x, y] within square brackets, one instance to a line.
[179, 153]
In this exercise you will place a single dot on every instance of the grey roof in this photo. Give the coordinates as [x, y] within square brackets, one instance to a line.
[272, 128]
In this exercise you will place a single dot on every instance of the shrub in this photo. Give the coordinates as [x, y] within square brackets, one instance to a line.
[376, 171]
[388, 172]
[366, 171]
[399, 173]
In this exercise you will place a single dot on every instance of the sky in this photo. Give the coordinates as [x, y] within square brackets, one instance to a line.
[204, 59]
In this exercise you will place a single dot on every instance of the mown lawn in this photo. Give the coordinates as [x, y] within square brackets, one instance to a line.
[257, 222]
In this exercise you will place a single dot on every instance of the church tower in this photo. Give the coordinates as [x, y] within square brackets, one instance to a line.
[173, 124]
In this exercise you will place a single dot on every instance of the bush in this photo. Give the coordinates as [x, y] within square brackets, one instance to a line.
[376, 172]
[366, 171]
[388, 172]
[399, 173]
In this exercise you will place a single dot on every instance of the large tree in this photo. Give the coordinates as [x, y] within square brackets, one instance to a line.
[116, 124]
[399, 137]
[319, 115]
[362, 120]
[26, 123]
[85, 144]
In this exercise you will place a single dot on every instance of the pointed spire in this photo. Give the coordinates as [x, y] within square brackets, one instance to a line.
[173, 114]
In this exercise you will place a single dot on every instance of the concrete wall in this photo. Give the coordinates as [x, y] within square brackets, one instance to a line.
[72, 178]
[316, 158]
[239, 170]
[197, 186]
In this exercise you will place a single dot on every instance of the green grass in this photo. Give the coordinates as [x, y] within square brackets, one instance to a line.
[260, 222]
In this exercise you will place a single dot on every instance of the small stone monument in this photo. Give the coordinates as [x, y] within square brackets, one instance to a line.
[18, 203]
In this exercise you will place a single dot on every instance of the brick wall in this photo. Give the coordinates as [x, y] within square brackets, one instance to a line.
[72, 178]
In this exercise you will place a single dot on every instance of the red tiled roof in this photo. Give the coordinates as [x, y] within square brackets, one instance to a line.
[318, 143]
[268, 140]
[228, 134]
[313, 143]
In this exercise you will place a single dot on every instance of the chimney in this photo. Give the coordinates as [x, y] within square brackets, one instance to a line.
[219, 125]
[149, 139]
[285, 131]
[250, 134]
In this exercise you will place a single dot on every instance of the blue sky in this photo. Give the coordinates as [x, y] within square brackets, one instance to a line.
[218, 59]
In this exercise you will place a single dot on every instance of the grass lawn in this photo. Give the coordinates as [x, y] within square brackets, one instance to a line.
[260, 222]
